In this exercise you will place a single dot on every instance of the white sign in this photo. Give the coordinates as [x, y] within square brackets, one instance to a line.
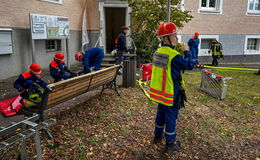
[49, 27]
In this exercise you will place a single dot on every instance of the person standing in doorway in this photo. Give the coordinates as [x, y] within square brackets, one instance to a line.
[121, 45]
[194, 45]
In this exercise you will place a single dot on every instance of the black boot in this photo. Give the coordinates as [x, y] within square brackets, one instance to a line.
[173, 146]
[157, 139]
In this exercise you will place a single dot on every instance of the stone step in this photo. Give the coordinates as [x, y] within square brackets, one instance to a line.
[107, 65]
[108, 59]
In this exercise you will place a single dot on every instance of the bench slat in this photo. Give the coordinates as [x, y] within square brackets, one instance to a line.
[68, 89]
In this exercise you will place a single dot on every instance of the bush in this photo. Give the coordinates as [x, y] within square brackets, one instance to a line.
[147, 15]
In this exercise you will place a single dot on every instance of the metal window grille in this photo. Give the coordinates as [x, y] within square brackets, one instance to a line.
[53, 45]
[252, 44]
[213, 84]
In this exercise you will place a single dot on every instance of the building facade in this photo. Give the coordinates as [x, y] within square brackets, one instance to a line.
[104, 21]
[235, 23]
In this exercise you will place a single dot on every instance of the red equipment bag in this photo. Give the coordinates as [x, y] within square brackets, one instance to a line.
[11, 106]
[146, 71]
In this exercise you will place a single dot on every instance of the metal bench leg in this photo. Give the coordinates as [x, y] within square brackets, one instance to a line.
[38, 145]
[116, 88]
[23, 150]
[48, 133]
[112, 86]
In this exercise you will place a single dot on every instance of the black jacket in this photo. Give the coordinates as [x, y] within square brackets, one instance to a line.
[121, 44]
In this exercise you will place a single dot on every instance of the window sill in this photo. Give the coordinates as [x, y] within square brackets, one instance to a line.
[203, 11]
[251, 53]
[52, 1]
[251, 13]
[5, 54]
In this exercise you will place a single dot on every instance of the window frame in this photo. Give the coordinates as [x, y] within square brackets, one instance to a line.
[51, 1]
[252, 12]
[252, 52]
[211, 10]
[12, 42]
[56, 45]
[204, 52]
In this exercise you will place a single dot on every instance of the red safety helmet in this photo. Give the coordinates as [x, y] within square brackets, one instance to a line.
[166, 28]
[196, 34]
[35, 68]
[79, 56]
[59, 56]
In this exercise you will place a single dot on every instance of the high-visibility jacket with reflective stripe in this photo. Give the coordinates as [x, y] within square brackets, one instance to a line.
[216, 49]
[162, 85]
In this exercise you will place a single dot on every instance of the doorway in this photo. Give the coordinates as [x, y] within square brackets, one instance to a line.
[115, 18]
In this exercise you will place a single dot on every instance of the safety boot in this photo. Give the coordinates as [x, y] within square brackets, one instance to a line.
[173, 146]
[157, 139]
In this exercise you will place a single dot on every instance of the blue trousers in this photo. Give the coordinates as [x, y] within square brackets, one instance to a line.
[194, 52]
[165, 122]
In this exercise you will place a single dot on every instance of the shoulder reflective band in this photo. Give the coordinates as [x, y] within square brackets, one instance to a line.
[161, 60]
[229, 68]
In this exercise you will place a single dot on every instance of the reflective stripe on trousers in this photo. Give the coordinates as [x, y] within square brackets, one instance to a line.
[166, 117]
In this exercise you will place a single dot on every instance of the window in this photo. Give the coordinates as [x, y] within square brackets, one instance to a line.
[181, 5]
[53, 45]
[252, 44]
[6, 42]
[205, 43]
[210, 6]
[53, 1]
[253, 7]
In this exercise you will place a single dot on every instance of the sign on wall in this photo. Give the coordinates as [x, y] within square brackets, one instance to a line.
[49, 27]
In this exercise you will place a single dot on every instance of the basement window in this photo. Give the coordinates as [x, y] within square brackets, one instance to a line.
[6, 41]
[205, 44]
[53, 1]
[210, 6]
[252, 44]
[53, 45]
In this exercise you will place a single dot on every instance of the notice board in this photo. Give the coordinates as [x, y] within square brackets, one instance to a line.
[49, 27]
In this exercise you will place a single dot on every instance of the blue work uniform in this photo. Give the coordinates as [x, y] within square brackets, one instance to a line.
[194, 47]
[92, 58]
[27, 80]
[166, 116]
[57, 71]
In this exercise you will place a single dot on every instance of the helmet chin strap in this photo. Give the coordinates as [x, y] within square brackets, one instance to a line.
[170, 41]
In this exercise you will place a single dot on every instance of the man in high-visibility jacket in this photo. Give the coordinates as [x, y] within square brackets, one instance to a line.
[167, 86]
[216, 51]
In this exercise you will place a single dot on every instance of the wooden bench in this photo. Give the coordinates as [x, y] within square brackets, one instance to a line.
[60, 92]
[71, 88]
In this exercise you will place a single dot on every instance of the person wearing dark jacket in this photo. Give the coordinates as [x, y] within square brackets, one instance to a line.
[31, 79]
[121, 45]
[58, 68]
[216, 51]
[91, 58]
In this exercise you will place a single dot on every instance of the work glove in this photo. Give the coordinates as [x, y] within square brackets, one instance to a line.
[48, 88]
[20, 89]
[73, 74]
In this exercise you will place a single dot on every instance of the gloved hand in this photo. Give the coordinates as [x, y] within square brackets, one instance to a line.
[20, 89]
[48, 88]
[208, 51]
[73, 74]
